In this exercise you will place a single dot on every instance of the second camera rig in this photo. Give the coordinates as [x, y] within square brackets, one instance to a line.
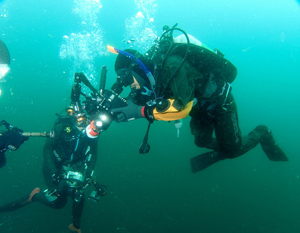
[98, 104]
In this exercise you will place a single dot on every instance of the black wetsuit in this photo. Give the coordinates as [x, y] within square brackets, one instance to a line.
[220, 116]
[71, 148]
[214, 109]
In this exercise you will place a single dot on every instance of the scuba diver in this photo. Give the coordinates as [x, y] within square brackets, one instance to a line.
[188, 79]
[69, 161]
[68, 167]
[12, 138]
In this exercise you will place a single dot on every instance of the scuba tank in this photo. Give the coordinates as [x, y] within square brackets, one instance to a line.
[191, 50]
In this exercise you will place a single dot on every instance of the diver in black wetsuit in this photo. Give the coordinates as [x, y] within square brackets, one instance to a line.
[189, 79]
[69, 161]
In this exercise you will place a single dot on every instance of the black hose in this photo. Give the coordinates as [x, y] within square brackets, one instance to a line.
[145, 147]
[103, 79]
[171, 50]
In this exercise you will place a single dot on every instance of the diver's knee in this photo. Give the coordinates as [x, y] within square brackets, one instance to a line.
[231, 151]
[57, 204]
[202, 143]
[261, 130]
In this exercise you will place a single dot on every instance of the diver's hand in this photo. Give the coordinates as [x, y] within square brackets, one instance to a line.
[13, 138]
[62, 187]
[128, 113]
[6, 124]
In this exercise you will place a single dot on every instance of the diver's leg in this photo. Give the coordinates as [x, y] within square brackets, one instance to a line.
[261, 134]
[227, 130]
[228, 142]
[228, 137]
[202, 131]
[233, 145]
[77, 210]
[251, 140]
[228, 133]
[21, 202]
[52, 199]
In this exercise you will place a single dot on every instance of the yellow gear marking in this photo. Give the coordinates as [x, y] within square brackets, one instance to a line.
[68, 129]
[172, 113]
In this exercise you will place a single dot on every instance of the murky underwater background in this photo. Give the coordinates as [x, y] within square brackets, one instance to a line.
[156, 192]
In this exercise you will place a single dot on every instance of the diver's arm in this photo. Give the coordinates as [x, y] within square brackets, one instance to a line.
[49, 166]
[164, 110]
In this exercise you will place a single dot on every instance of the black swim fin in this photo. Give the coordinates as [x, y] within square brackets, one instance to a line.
[270, 147]
[205, 160]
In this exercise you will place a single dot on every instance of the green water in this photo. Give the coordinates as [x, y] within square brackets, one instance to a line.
[157, 192]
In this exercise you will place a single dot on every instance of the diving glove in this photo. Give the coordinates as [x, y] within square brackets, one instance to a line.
[13, 138]
[128, 113]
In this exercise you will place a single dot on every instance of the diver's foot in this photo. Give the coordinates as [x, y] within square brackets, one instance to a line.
[33, 192]
[270, 147]
[74, 229]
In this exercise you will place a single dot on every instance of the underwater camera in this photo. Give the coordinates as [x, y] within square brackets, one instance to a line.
[74, 179]
[100, 101]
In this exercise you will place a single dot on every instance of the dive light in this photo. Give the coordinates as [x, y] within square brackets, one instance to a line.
[49, 134]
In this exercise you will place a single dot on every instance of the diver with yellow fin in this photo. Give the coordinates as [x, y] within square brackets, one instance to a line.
[188, 79]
